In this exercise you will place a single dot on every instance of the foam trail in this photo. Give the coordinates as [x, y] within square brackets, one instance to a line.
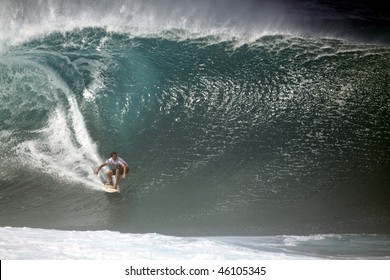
[64, 148]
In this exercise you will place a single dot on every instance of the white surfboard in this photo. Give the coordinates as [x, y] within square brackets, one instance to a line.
[110, 188]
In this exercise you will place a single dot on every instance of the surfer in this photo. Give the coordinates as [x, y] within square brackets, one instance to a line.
[116, 166]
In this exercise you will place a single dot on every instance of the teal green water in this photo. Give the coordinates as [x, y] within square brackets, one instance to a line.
[285, 133]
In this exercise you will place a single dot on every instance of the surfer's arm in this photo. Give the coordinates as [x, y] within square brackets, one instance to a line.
[100, 167]
[124, 166]
[124, 169]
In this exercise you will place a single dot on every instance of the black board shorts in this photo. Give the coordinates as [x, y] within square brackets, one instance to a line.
[120, 170]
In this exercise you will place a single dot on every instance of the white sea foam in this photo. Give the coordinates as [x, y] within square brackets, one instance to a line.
[45, 244]
[28, 243]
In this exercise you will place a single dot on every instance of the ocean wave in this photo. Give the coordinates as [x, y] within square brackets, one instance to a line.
[221, 137]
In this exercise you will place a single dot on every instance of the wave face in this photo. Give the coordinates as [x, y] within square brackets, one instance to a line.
[281, 134]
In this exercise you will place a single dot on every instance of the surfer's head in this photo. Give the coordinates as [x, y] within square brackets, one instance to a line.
[114, 155]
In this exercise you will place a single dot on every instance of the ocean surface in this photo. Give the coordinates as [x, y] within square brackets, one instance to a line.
[245, 124]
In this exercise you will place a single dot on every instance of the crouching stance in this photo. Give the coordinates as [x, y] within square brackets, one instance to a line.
[117, 166]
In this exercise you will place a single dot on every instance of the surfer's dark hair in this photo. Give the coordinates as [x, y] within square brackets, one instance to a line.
[113, 153]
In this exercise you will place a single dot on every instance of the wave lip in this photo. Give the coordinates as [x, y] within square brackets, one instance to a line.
[22, 20]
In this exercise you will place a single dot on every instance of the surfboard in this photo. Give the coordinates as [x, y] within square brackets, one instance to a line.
[109, 189]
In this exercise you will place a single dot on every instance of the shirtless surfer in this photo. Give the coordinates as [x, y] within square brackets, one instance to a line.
[116, 166]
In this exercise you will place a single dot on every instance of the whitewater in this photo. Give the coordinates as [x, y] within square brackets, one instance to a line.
[41, 244]
[253, 131]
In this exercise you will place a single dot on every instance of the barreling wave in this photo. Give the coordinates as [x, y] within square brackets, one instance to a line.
[273, 135]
